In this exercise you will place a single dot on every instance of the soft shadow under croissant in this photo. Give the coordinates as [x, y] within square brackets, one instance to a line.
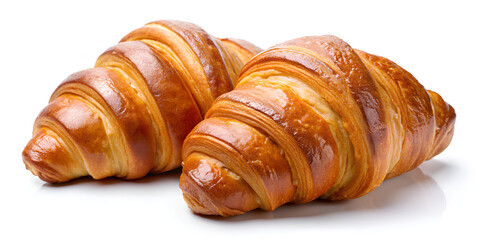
[128, 116]
[311, 118]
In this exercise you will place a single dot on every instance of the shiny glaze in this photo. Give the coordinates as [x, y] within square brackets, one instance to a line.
[310, 131]
[204, 62]
[50, 160]
[261, 158]
[207, 173]
[343, 120]
[129, 115]
[70, 115]
[177, 111]
[346, 84]
[110, 96]
[211, 59]
[415, 111]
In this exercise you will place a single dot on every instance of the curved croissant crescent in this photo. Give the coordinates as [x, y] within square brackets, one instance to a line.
[129, 115]
[311, 118]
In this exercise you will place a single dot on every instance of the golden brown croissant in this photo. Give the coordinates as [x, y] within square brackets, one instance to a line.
[310, 118]
[129, 115]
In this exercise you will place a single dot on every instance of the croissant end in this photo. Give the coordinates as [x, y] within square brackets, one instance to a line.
[45, 157]
[445, 117]
[204, 183]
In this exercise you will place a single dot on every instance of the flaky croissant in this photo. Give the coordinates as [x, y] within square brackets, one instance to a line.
[128, 116]
[311, 118]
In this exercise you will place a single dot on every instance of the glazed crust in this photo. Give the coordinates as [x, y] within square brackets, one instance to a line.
[128, 116]
[322, 120]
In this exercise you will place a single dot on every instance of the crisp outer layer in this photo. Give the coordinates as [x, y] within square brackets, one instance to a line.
[128, 116]
[342, 120]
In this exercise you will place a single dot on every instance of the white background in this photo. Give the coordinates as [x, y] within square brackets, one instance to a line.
[42, 42]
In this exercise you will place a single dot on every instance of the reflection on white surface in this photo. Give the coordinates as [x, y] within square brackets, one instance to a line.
[413, 196]
[109, 187]
[407, 198]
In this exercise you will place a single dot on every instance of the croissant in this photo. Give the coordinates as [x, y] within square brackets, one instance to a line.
[310, 118]
[128, 116]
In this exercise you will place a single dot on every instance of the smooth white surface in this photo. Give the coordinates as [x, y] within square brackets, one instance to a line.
[42, 42]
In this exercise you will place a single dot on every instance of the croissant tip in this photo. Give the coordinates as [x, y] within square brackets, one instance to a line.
[197, 207]
[192, 194]
[200, 202]
[39, 169]
[36, 158]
